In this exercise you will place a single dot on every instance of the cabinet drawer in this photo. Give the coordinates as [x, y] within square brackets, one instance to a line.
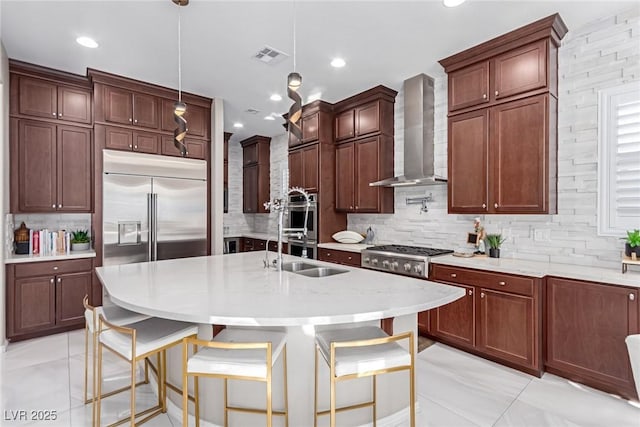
[52, 267]
[496, 281]
[339, 257]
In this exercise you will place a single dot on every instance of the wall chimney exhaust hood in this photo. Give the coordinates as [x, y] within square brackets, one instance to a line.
[418, 136]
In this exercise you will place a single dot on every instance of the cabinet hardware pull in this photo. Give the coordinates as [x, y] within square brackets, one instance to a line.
[470, 292]
[501, 283]
[135, 121]
[454, 275]
[484, 96]
[60, 206]
[496, 93]
[495, 205]
[135, 146]
[59, 280]
[51, 281]
[484, 206]
[59, 114]
[349, 258]
[54, 114]
[130, 120]
[632, 297]
[482, 295]
[130, 145]
[53, 206]
[328, 254]
[55, 268]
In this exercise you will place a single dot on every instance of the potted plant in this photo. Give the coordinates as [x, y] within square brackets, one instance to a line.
[632, 246]
[80, 240]
[494, 241]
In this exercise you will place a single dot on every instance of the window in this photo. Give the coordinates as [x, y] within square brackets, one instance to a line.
[619, 159]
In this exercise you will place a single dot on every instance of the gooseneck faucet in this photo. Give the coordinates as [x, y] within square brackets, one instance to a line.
[280, 205]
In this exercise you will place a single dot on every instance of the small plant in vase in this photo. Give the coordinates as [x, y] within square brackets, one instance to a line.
[80, 240]
[494, 241]
[632, 246]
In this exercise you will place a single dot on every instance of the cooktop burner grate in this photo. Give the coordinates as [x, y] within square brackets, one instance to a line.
[411, 250]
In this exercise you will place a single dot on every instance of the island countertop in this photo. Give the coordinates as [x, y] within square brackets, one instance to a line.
[236, 289]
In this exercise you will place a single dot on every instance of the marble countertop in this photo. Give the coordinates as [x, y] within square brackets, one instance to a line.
[14, 259]
[347, 247]
[236, 289]
[542, 269]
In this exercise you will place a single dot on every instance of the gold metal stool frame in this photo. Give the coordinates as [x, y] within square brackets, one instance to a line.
[335, 379]
[233, 346]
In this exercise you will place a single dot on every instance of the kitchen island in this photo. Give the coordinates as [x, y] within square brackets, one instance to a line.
[236, 290]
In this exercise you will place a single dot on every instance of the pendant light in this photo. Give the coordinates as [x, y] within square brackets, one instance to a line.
[179, 108]
[294, 81]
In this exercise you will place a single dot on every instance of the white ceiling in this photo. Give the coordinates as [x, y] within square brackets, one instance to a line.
[383, 42]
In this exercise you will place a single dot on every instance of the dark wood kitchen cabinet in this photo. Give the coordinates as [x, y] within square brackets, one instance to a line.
[303, 167]
[196, 117]
[364, 151]
[503, 117]
[52, 168]
[126, 107]
[118, 138]
[500, 316]
[586, 327]
[351, 259]
[255, 174]
[196, 148]
[44, 298]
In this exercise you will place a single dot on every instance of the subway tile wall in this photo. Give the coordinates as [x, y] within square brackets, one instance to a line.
[234, 222]
[602, 54]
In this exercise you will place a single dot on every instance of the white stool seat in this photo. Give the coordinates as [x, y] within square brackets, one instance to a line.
[151, 334]
[356, 360]
[633, 346]
[114, 314]
[241, 362]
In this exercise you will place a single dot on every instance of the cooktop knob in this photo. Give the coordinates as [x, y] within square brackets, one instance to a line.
[394, 265]
[407, 267]
[385, 263]
[418, 269]
[366, 260]
[374, 261]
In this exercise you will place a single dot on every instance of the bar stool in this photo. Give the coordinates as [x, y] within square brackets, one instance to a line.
[362, 352]
[136, 342]
[235, 354]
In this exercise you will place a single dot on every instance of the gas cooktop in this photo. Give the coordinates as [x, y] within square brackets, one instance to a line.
[401, 259]
[410, 250]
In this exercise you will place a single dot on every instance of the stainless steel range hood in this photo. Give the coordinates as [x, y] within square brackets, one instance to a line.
[418, 136]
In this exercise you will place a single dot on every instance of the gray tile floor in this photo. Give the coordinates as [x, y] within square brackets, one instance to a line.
[454, 389]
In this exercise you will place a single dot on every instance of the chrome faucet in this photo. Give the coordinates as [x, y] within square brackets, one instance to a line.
[280, 205]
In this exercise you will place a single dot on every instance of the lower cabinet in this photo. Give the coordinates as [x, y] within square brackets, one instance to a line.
[352, 259]
[499, 317]
[44, 298]
[586, 325]
[249, 244]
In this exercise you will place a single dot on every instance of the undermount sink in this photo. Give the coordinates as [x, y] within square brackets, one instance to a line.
[321, 272]
[297, 266]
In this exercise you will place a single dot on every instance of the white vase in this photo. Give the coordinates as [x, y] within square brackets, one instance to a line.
[79, 246]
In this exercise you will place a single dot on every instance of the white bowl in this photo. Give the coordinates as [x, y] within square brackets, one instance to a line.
[347, 236]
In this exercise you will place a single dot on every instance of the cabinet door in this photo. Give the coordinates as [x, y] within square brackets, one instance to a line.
[518, 162]
[345, 125]
[118, 139]
[197, 121]
[74, 153]
[310, 171]
[455, 322]
[74, 104]
[469, 86]
[296, 169]
[196, 149]
[368, 119]
[146, 142]
[506, 325]
[118, 106]
[345, 179]
[367, 198]
[310, 128]
[468, 162]
[250, 154]
[521, 70]
[145, 110]
[34, 304]
[70, 290]
[586, 326]
[38, 98]
[36, 166]
[250, 189]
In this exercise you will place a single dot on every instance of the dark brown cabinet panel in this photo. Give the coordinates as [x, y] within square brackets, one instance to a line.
[303, 168]
[520, 166]
[75, 172]
[145, 142]
[74, 104]
[455, 322]
[468, 162]
[256, 183]
[310, 125]
[70, 291]
[345, 125]
[296, 169]
[44, 298]
[54, 168]
[507, 327]
[118, 106]
[521, 70]
[469, 86]
[367, 119]
[352, 259]
[196, 149]
[367, 198]
[250, 155]
[345, 177]
[586, 325]
[118, 139]
[250, 189]
[145, 110]
[196, 117]
[38, 98]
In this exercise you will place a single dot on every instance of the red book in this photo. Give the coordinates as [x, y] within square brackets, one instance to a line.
[35, 244]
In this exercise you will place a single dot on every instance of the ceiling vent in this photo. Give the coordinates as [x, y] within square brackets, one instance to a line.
[251, 111]
[269, 55]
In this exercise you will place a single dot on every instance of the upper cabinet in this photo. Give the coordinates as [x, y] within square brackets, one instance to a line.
[255, 173]
[316, 124]
[130, 108]
[197, 118]
[364, 130]
[502, 133]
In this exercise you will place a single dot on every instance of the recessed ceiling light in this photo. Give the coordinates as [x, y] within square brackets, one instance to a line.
[314, 96]
[452, 3]
[275, 97]
[338, 63]
[87, 42]
[269, 117]
[238, 125]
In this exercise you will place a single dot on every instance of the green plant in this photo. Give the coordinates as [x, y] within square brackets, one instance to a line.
[80, 236]
[633, 238]
[495, 240]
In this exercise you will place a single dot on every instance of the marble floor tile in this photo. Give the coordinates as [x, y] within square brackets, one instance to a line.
[35, 351]
[431, 414]
[76, 342]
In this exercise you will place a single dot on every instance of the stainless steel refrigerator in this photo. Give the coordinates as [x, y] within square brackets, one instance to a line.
[154, 207]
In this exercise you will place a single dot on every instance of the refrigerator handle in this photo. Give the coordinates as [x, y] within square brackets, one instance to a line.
[150, 221]
[154, 198]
